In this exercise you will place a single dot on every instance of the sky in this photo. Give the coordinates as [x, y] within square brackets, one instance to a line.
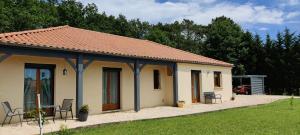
[257, 16]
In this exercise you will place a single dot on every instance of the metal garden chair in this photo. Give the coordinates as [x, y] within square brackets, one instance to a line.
[9, 112]
[212, 95]
[66, 107]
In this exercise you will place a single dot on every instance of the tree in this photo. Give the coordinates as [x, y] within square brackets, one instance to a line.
[71, 13]
[224, 41]
[158, 36]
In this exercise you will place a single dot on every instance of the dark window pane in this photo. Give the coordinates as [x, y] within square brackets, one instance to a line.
[156, 77]
[217, 79]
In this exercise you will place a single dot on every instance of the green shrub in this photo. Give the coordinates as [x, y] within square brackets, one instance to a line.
[35, 115]
[84, 109]
[292, 102]
[63, 130]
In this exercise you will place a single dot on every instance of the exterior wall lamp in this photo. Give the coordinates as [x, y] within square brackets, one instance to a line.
[65, 72]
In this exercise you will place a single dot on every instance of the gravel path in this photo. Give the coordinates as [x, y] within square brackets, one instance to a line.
[147, 113]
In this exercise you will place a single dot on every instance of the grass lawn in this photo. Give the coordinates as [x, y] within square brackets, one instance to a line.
[275, 118]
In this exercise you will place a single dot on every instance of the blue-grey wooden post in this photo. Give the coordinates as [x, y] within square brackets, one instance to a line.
[79, 83]
[175, 84]
[136, 86]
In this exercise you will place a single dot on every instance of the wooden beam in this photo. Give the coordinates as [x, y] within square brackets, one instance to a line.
[136, 86]
[37, 52]
[131, 67]
[71, 63]
[90, 61]
[4, 57]
[175, 84]
[142, 66]
[79, 83]
[17, 50]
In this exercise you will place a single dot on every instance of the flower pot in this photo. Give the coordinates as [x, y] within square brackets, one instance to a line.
[83, 116]
[180, 104]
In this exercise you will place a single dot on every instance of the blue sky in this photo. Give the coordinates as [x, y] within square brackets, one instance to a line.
[257, 16]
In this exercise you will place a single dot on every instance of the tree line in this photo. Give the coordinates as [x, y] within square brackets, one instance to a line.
[222, 39]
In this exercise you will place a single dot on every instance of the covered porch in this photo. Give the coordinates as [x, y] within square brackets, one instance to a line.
[79, 76]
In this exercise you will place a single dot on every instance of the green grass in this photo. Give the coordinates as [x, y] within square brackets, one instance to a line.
[277, 118]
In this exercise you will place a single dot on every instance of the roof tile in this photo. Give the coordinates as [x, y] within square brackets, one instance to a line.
[70, 38]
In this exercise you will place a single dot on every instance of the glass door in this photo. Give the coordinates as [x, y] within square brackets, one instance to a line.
[111, 89]
[38, 79]
[195, 86]
[30, 89]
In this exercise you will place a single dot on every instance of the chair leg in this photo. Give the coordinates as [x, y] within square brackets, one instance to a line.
[26, 119]
[72, 113]
[60, 114]
[54, 117]
[10, 120]
[4, 120]
[20, 119]
[66, 116]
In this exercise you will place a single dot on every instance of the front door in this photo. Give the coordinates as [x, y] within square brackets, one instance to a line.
[195, 86]
[111, 89]
[38, 79]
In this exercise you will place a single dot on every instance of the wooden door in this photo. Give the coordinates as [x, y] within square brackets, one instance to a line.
[195, 86]
[111, 89]
[38, 79]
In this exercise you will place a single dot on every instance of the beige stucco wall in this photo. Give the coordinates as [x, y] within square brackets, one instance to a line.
[206, 81]
[12, 80]
[12, 83]
[149, 96]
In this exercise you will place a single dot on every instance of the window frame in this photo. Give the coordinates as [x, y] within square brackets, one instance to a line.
[158, 81]
[220, 79]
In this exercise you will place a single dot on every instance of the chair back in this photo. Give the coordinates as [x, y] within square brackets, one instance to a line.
[214, 94]
[209, 94]
[6, 107]
[67, 104]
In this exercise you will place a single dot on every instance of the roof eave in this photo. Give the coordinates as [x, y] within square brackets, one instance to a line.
[37, 46]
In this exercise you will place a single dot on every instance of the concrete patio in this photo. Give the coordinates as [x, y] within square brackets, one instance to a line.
[147, 113]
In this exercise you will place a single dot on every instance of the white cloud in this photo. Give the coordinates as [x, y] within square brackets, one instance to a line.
[202, 12]
[263, 29]
[293, 2]
[246, 13]
[292, 15]
[289, 2]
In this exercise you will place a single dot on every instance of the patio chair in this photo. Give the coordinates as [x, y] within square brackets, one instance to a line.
[11, 112]
[217, 96]
[212, 95]
[66, 107]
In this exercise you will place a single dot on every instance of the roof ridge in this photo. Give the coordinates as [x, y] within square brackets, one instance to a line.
[110, 34]
[32, 31]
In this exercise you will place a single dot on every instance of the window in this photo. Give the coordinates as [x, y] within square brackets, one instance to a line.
[156, 77]
[217, 79]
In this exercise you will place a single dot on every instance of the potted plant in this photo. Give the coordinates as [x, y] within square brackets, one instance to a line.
[233, 96]
[180, 104]
[83, 113]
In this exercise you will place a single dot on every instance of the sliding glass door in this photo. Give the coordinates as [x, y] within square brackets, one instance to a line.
[111, 89]
[38, 79]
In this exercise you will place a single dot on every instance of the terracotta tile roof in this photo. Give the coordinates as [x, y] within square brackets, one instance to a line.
[81, 40]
